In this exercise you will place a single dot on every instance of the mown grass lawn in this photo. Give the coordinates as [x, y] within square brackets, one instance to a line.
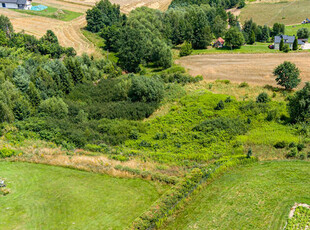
[258, 196]
[51, 12]
[48, 197]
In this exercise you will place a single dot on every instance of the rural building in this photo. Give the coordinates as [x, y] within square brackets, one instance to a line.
[287, 40]
[16, 4]
[219, 43]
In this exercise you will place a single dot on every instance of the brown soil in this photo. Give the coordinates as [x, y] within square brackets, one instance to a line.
[252, 68]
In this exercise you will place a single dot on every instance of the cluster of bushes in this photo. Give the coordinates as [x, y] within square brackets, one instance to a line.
[168, 203]
[147, 174]
[5, 152]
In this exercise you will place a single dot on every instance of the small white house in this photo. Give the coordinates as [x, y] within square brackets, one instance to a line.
[16, 4]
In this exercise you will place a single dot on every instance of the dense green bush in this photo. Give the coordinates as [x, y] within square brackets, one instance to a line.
[54, 107]
[5, 152]
[299, 105]
[186, 49]
[262, 98]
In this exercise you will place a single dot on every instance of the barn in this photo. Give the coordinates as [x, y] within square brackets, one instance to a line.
[16, 4]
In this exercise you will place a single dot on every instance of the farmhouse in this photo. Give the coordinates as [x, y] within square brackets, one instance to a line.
[16, 4]
[286, 40]
[219, 43]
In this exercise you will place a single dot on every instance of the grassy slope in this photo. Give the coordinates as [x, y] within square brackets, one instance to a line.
[258, 196]
[287, 12]
[292, 30]
[183, 143]
[47, 197]
[50, 11]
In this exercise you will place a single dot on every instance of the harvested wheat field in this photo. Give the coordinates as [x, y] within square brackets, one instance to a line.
[251, 68]
[69, 33]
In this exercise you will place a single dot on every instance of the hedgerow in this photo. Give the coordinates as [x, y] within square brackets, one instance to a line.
[168, 203]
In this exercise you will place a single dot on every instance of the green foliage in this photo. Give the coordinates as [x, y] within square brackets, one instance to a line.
[54, 107]
[287, 75]
[299, 105]
[102, 15]
[6, 25]
[234, 38]
[146, 89]
[262, 98]
[5, 152]
[303, 33]
[281, 46]
[220, 105]
[186, 49]
[295, 44]
[286, 48]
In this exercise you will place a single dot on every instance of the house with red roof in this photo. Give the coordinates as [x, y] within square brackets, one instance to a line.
[219, 43]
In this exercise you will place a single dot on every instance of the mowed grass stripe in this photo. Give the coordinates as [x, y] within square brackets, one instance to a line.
[48, 197]
[258, 196]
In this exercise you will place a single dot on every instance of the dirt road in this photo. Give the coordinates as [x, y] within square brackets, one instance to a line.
[251, 68]
[69, 33]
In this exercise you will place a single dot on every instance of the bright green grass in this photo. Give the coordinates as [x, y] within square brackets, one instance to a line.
[48, 197]
[50, 13]
[172, 137]
[292, 30]
[258, 196]
[259, 47]
[286, 12]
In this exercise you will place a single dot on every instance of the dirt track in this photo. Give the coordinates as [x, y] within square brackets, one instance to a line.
[252, 68]
[69, 33]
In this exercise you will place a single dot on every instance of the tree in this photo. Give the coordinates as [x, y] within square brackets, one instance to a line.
[6, 114]
[295, 44]
[21, 109]
[265, 33]
[299, 105]
[103, 14]
[146, 89]
[303, 33]
[111, 35]
[219, 26]
[33, 94]
[281, 44]
[234, 38]
[252, 38]
[286, 48]
[287, 75]
[6, 25]
[186, 49]
[21, 78]
[50, 37]
[54, 107]
[75, 70]
[278, 29]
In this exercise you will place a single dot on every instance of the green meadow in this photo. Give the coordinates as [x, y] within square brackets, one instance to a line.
[48, 197]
